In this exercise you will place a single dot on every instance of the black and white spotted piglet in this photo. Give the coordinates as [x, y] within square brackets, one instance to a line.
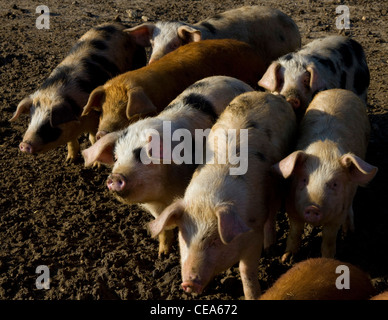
[55, 108]
[326, 63]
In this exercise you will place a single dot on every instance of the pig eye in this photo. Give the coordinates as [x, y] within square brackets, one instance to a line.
[333, 185]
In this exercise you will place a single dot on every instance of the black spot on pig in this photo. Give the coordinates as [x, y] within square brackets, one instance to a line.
[106, 31]
[209, 26]
[99, 44]
[361, 80]
[345, 51]
[343, 80]
[60, 75]
[358, 50]
[96, 72]
[47, 133]
[268, 133]
[201, 103]
[259, 155]
[105, 64]
[327, 63]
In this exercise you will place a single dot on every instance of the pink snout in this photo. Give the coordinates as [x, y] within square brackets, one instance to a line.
[116, 182]
[26, 147]
[312, 214]
[295, 102]
[191, 286]
[100, 134]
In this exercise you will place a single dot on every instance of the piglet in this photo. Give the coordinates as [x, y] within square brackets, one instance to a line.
[229, 199]
[268, 30]
[327, 167]
[326, 63]
[148, 167]
[55, 108]
[321, 279]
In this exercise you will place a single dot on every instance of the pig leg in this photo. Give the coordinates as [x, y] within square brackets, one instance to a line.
[72, 150]
[294, 238]
[92, 139]
[329, 239]
[349, 223]
[270, 230]
[165, 242]
[248, 266]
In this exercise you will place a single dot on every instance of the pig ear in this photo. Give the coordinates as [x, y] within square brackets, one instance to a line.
[286, 167]
[139, 103]
[361, 172]
[168, 219]
[23, 107]
[62, 113]
[316, 83]
[188, 34]
[95, 101]
[155, 149]
[102, 150]
[230, 225]
[271, 78]
[142, 34]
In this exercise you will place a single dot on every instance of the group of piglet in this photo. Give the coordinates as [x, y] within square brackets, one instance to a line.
[309, 128]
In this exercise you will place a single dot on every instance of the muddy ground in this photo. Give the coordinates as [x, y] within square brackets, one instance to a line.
[61, 215]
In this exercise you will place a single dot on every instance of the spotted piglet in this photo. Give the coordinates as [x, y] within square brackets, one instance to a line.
[55, 108]
[270, 31]
[222, 216]
[327, 167]
[149, 168]
[326, 63]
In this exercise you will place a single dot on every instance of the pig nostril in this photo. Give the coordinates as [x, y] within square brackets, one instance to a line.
[25, 147]
[187, 288]
[116, 182]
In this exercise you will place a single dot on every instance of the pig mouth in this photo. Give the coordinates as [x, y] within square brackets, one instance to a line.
[192, 286]
[313, 215]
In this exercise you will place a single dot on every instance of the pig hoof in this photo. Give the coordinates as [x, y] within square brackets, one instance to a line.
[286, 257]
[97, 165]
[70, 159]
[164, 252]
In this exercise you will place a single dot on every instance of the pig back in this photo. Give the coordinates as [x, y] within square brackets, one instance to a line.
[337, 115]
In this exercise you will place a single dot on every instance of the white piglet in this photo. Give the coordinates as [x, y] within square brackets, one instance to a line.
[149, 168]
[327, 167]
[269, 30]
[222, 215]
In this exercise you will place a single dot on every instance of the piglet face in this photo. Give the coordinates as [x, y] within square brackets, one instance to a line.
[297, 83]
[320, 191]
[324, 182]
[133, 178]
[52, 124]
[210, 242]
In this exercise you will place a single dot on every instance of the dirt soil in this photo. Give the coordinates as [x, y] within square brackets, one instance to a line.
[61, 215]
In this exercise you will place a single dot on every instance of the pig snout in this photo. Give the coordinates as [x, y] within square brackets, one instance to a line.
[100, 134]
[295, 102]
[116, 182]
[312, 214]
[26, 147]
[192, 286]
